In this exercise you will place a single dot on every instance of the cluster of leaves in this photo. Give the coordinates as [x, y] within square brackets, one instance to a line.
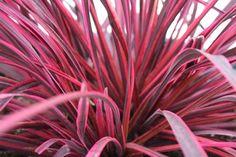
[72, 85]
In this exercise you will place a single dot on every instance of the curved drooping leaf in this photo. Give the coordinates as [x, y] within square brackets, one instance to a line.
[47, 144]
[223, 65]
[186, 139]
[98, 147]
[10, 121]
[63, 151]
[44, 146]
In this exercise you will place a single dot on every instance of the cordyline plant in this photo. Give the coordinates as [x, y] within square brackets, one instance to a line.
[74, 86]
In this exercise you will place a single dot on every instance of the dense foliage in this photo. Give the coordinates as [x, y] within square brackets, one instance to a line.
[149, 80]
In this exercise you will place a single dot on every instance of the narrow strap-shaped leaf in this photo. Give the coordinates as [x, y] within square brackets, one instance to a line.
[82, 115]
[10, 121]
[44, 146]
[109, 118]
[128, 98]
[115, 24]
[98, 147]
[47, 144]
[100, 119]
[184, 136]
[223, 65]
[91, 41]
[220, 132]
[63, 151]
